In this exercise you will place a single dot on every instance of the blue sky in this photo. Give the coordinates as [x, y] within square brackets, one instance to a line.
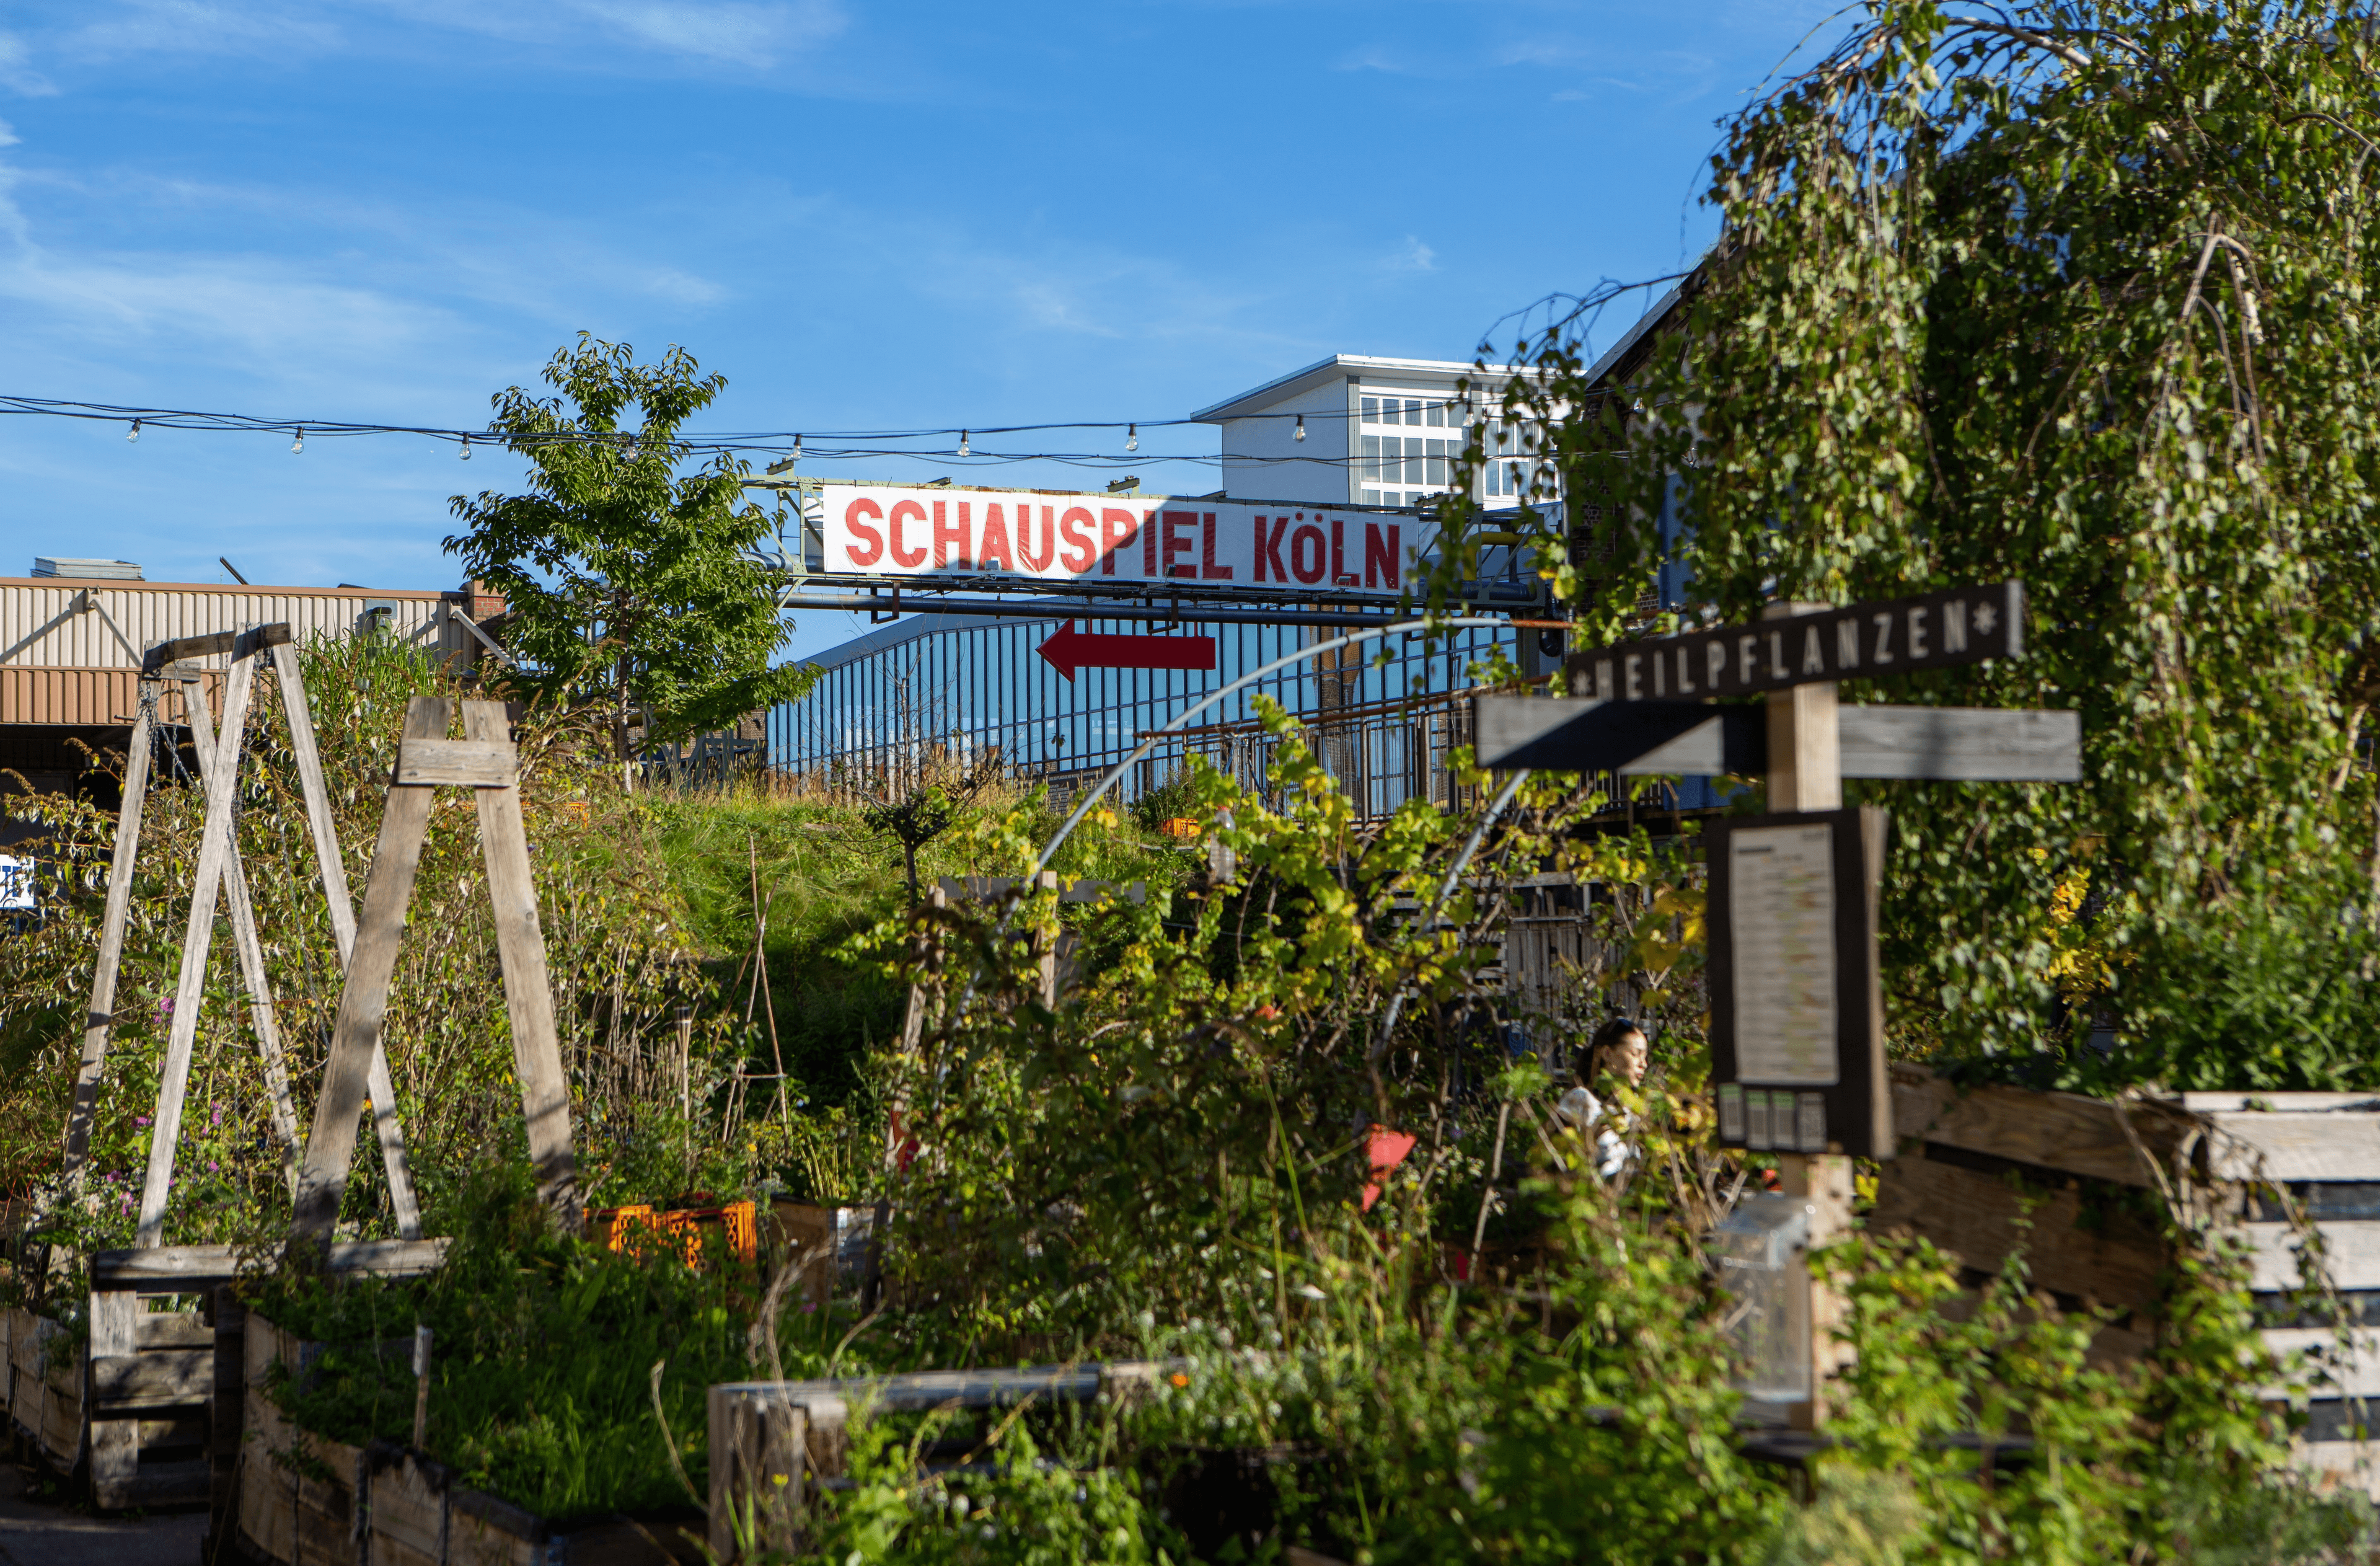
[864, 215]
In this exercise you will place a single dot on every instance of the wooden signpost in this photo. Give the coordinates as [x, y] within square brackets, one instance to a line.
[1797, 1015]
[482, 760]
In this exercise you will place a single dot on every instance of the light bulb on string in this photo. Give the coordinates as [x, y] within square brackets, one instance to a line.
[298, 444]
[466, 448]
[797, 448]
[1301, 427]
[136, 431]
[1132, 437]
[963, 443]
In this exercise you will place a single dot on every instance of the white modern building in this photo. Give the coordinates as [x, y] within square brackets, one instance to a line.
[1352, 430]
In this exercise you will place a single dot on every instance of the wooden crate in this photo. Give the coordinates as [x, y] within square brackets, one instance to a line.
[2095, 1173]
[305, 1499]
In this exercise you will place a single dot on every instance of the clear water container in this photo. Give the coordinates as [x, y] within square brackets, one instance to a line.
[1762, 1266]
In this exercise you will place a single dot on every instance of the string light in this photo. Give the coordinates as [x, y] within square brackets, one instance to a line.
[1301, 427]
[797, 448]
[299, 443]
[963, 443]
[1132, 437]
[136, 431]
[466, 448]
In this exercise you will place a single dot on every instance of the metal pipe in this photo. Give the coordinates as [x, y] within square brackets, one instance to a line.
[1047, 610]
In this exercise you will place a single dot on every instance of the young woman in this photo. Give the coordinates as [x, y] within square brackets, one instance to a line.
[1621, 1048]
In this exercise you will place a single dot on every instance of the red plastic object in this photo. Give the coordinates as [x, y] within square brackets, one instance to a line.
[1387, 1150]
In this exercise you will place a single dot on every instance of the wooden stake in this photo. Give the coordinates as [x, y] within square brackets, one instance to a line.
[114, 1443]
[1805, 773]
[215, 849]
[363, 999]
[528, 994]
[386, 1124]
[99, 1016]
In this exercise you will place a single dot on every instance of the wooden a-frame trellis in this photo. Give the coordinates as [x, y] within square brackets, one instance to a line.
[219, 868]
[484, 761]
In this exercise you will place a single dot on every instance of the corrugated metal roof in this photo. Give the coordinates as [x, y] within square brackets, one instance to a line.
[62, 623]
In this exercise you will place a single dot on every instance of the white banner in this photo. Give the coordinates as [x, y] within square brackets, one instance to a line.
[1060, 535]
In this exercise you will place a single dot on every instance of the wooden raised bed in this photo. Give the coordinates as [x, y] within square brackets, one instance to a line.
[768, 1439]
[134, 1423]
[302, 1498]
[2095, 1173]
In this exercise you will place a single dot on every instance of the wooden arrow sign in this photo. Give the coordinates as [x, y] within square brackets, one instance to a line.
[1071, 649]
[1687, 738]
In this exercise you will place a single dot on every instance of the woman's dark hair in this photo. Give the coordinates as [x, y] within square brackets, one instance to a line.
[1604, 1038]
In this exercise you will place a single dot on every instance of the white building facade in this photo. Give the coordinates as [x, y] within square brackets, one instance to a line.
[1352, 430]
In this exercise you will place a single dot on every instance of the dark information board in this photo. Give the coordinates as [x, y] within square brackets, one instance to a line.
[1797, 1003]
[1936, 630]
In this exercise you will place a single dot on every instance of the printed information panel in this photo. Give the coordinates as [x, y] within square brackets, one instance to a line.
[1797, 1003]
[1047, 536]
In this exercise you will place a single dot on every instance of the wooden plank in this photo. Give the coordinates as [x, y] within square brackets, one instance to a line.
[1695, 739]
[2352, 1255]
[248, 641]
[472, 763]
[215, 849]
[2284, 1103]
[408, 1506]
[2354, 1372]
[757, 1443]
[189, 1270]
[2059, 1131]
[128, 1383]
[115, 1445]
[1980, 1217]
[2249, 1145]
[386, 1124]
[100, 1015]
[529, 993]
[171, 1330]
[1962, 744]
[363, 999]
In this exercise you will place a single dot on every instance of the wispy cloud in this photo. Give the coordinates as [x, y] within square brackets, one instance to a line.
[17, 72]
[193, 27]
[1411, 256]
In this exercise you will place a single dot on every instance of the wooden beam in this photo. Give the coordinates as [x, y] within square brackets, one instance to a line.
[215, 849]
[212, 753]
[363, 999]
[386, 1124]
[115, 1444]
[529, 993]
[99, 1017]
[150, 1383]
[1695, 739]
[470, 763]
[244, 642]
[191, 1270]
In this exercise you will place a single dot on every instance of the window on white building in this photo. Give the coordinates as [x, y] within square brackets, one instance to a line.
[1510, 469]
[1408, 446]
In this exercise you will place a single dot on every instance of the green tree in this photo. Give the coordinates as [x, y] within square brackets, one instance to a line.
[632, 586]
[2073, 291]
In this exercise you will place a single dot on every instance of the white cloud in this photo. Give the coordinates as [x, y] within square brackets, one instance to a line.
[747, 32]
[17, 72]
[193, 27]
[1413, 256]
[8, 137]
[683, 287]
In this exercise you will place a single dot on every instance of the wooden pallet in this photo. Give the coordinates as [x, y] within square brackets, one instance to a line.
[2094, 1173]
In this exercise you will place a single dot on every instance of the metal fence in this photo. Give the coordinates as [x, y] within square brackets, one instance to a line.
[943, 694]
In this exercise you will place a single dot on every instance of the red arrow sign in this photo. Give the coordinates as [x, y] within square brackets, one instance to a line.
[1071, 649]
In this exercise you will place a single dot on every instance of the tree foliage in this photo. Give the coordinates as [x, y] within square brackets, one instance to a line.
[626, 580]
[2073, 293]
